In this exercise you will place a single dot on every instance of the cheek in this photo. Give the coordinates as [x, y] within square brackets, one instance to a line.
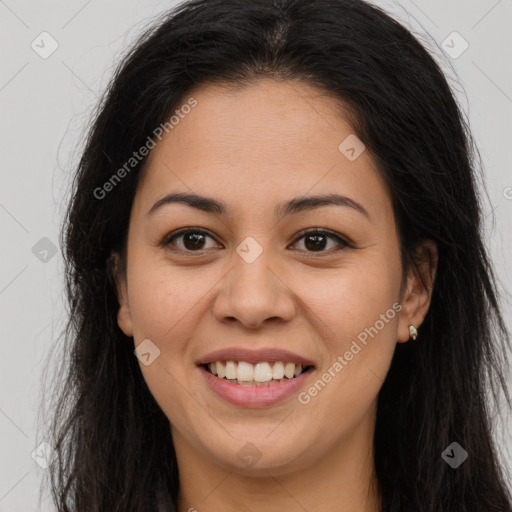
[352, 298]
[357, 315]
[162, 298]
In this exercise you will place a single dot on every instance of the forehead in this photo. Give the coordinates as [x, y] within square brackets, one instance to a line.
[261, 143]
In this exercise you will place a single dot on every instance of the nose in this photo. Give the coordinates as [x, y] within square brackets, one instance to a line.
[254, 293]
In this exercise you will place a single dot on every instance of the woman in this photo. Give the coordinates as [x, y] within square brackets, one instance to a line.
[222, 354]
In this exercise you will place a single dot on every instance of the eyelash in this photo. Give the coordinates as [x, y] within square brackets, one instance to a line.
[302, 234]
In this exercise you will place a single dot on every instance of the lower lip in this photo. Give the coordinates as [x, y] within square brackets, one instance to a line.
[254, 396]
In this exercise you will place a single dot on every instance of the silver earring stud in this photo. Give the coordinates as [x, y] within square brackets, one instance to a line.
[413, 332]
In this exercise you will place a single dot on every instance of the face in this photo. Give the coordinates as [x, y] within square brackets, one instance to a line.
[320, 282]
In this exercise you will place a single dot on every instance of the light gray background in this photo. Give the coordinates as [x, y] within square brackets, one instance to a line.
[45, 104]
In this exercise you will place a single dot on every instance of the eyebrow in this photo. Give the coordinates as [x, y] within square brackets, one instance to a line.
[293, 206]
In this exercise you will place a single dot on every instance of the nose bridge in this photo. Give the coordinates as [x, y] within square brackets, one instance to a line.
[252, 291]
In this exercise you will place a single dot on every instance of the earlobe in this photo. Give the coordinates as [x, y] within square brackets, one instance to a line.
[418, 292]
[119, 279]
[124, 320]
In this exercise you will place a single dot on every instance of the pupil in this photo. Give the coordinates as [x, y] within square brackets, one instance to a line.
[194, 237]
[316, 244]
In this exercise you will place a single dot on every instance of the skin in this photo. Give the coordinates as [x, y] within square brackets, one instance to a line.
[253, 148]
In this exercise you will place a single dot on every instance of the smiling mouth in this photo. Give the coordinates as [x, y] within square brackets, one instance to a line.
[260, 374]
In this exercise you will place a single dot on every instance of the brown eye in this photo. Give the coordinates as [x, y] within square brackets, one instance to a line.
[193, 240]
[316, 240]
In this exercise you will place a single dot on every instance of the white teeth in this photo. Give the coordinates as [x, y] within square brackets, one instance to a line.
[261, 374]
[289, 370]
[220, 369]
[231, 372]
[254, 383]
[278, 370]
[245, 371]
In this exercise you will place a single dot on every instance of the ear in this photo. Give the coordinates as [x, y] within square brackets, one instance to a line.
[124, 319]
[418, 290]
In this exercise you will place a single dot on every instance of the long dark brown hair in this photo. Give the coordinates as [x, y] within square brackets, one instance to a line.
[113, 446]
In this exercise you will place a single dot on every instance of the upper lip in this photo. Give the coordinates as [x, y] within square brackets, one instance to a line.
[254, 356]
